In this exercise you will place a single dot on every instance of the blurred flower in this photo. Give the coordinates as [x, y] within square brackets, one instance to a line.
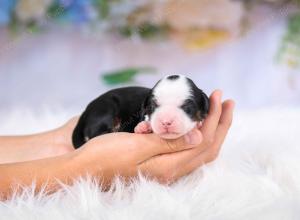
[218, 14]
[79, 11]
[202, 39]
[32, 10]
[6, 7]
[199, 23]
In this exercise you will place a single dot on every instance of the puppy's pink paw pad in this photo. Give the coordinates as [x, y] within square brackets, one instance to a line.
[143, 128]
[199, 124]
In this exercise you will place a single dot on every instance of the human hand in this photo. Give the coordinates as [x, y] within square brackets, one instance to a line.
[214, 130]
[126, 154]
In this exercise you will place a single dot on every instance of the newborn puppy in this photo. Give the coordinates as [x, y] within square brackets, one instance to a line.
[173, 108]
[118, 110]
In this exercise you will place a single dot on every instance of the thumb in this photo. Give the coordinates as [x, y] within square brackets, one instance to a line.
[188, 141]
[157, 145]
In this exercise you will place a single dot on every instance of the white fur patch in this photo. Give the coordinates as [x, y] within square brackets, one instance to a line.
[172, 92]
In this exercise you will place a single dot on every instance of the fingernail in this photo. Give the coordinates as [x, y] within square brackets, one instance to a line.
[193, 138]
[218, 96]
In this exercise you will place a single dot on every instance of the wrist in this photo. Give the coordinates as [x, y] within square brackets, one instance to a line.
[81, 164]
[60, 169]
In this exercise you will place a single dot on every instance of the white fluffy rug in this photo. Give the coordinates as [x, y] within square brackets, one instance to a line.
[257, 176]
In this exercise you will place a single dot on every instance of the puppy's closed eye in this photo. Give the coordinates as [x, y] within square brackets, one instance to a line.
[189, 107]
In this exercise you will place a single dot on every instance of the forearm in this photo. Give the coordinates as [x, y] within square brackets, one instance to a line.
[27, 147]
[32, 147]
[42, 172]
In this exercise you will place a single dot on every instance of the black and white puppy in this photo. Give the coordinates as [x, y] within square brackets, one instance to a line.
[173, 108]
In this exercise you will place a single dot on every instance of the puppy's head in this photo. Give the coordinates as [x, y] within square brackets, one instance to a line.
[174, 106]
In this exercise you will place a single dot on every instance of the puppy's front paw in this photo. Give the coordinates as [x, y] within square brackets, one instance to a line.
[199, 124]
[143, 127]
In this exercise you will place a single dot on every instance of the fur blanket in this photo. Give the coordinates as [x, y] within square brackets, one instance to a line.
[257, 176]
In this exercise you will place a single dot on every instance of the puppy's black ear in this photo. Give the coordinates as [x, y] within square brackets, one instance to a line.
[202, 102]
[147, 106]
[201, 99]
[146, 102]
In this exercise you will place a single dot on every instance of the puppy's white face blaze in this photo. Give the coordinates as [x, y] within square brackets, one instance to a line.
[172, 92]
[168, 119]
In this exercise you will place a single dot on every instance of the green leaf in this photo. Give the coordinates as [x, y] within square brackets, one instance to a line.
[149, 30]
[32, 27]
[145, 30]
[13, 25]
[103, 7]
[290, 45]
[124, 75]
[126, 31]
[56, 10]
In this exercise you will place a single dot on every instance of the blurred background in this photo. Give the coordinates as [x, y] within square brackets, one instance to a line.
[61, 54]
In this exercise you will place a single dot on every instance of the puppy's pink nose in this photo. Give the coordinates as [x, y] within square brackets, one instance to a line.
[167, 123]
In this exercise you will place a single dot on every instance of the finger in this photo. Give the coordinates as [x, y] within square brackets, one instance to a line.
[206, 156]
[174, 165]
[211, 122]
[224, 123]
[152, 144]
[212, 151]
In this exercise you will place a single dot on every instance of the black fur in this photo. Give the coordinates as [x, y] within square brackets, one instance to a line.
[173, 77]
[149, 105]
[103, 115]
[201, 100]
